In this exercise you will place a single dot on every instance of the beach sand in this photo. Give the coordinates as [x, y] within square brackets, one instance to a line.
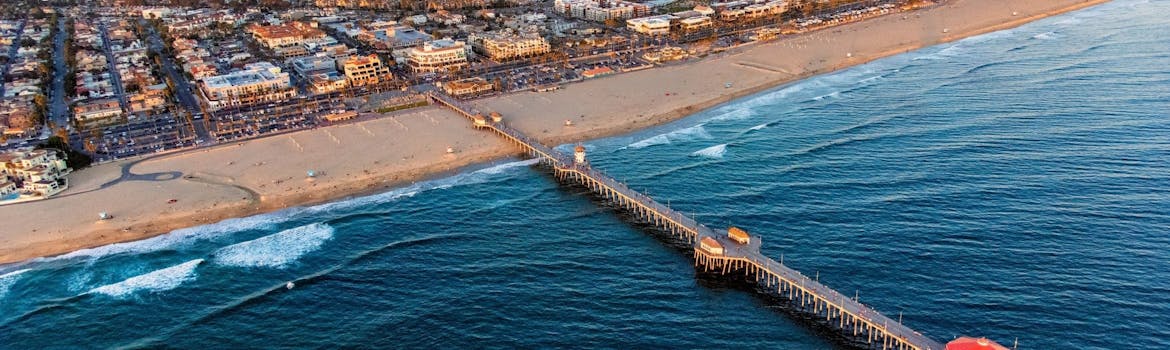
[267, 174]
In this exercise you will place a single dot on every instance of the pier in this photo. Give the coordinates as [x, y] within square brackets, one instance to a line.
[716, 251]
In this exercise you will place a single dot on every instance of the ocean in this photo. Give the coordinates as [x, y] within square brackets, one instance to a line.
[1013, 185]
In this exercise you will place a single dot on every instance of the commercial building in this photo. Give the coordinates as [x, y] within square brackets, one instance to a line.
[365, 70]
[285, 35]
[438, 56]
[258, 82]
[504, 47]
[323, 83]
[653, 25]
[695, 23]
[467, 87]
[312, 65]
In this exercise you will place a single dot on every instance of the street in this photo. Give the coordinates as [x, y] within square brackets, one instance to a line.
[182, 87]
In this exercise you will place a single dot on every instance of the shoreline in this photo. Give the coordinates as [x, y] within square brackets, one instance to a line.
[217, 192]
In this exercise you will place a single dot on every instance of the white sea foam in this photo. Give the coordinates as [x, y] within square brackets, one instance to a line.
[1045, 36]
[174, 238]
[80, 281]
[735, 114]
[9, 279]
[759, 127]
[715, 151]
[691, 133]
[499, 169]
[870, 79]
[947, 52]
[275, 250]
[154, 281]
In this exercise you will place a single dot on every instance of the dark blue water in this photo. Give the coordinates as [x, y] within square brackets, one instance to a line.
[1012, 185]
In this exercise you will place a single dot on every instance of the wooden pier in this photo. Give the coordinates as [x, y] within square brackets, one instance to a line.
[854, 321]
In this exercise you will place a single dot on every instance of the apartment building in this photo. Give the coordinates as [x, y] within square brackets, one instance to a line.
[38, 172]
[97, 112]
[505, 47]
[601, 10]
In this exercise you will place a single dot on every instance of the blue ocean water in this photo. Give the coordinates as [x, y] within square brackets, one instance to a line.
[1011, 185]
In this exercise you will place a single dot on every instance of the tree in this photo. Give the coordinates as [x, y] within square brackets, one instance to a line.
[73, 159]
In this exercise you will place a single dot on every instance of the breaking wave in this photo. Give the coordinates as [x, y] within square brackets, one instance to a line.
[715, 151]
[8, 279]
[173, 239]
[275, 250]
[735, 114]
[691, 133]
[948, 52]
[155, 281]
[1045, 36]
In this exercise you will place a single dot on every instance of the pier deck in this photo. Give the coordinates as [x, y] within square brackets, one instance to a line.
[855, 321]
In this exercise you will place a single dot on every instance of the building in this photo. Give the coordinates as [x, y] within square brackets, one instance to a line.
[737, 10]
[653, 25]
[695, 23]
[323, 83]
[97, 112]
[365, 70]
[597, 72]
[665, 54]
[258, 82]
[601, 10]
[151, 98]
[292, 34]
[38, 173]
[312, 65]
[505, 47]
[438, 56]
[16, 117]
[467, 87]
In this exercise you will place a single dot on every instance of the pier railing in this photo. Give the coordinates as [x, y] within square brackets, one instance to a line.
[855, 321]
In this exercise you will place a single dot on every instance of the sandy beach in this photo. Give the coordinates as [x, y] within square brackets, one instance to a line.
[257, 176]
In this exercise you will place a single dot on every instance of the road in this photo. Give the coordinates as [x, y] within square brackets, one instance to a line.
[112, 62]
[11, 56]
[182, 87]
[58, 107]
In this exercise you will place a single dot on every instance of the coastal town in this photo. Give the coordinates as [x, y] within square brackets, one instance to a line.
[101, 81]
